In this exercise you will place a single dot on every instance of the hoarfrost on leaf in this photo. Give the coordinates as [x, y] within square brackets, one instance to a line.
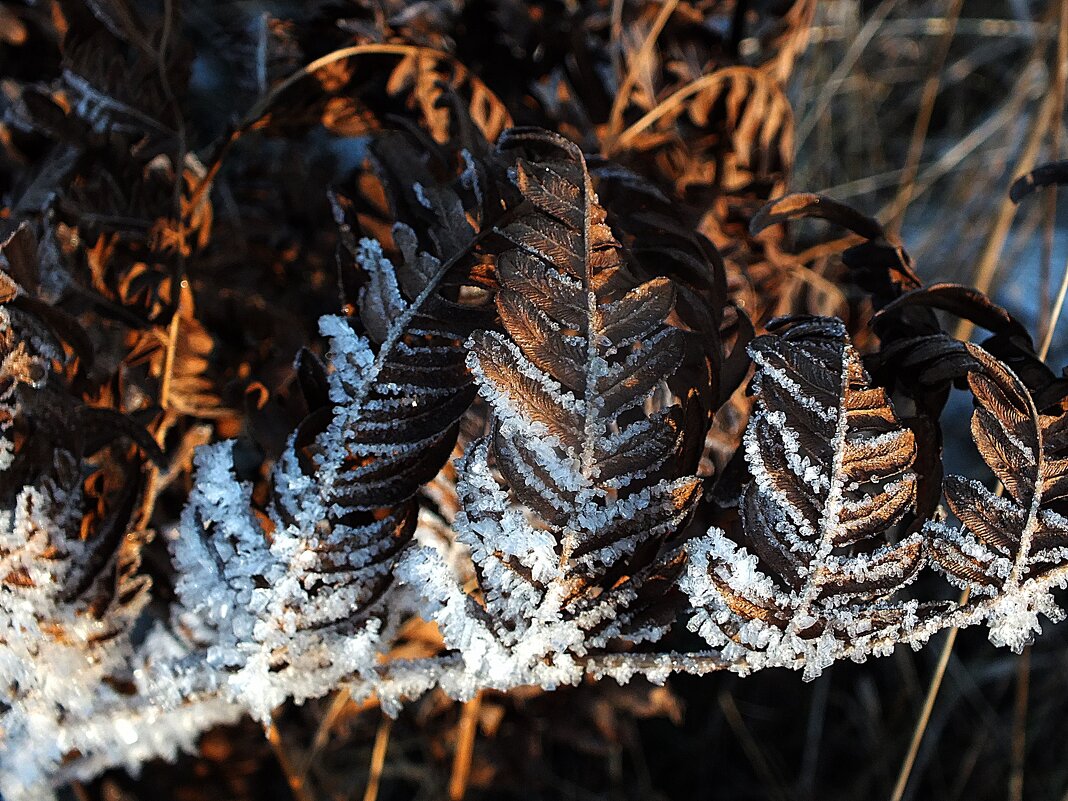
[569, 503]
[831, 468]
[1010, 550]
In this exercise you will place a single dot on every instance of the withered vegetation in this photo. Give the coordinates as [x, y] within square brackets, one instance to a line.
[473, 359]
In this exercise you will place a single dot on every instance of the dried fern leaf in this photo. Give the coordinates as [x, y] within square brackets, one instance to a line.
[1011, 549]
[568, 500]
[831, 467]
[71, 591]
[297, 607]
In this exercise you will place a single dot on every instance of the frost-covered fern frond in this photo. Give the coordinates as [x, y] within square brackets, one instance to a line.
[74, 700]
[282, 614]
[566, 504]
[297, 605]
[831, 477]
[71, 592]
[1011, 550]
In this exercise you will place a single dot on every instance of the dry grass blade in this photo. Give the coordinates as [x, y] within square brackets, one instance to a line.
[378, 758]
[1019, 727]
[338, 705]
[925, 711]
[1060, 78]
[906, 188]
[283, 753]
[639, 62]
[999, 232]
[834, 82]
[773, 783]
[465, 748]
[675, 100]
[1054, 316]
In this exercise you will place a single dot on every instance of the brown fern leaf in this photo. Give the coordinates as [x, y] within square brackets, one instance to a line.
[382, 423]
[832, 478]
[1012, 549]
[584, 435]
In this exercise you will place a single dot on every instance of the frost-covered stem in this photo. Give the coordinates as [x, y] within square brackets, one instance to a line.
[592, 409]
[1023, 553]
[829, 517]
[657, 666]
[406, 679]
[435, 666]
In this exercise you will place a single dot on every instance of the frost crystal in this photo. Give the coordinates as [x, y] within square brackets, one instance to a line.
[68, 607]
[289, 616]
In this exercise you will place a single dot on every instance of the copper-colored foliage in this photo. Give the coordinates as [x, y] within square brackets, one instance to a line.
[1028, 453]
[585, 344]
[412, 396]
[832, 471]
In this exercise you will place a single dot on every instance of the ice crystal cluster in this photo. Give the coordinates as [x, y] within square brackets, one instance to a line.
[504, 324]
[289, 617]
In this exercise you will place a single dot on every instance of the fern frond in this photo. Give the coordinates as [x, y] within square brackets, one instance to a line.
[299, 606]
[1012, 550]
[71, 589]
[567, 503]
[831, 469]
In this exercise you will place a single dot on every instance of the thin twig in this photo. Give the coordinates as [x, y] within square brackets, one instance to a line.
[169, 355]
[178, 284]
[616, 37]
[1053, 317]
[814, 737]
